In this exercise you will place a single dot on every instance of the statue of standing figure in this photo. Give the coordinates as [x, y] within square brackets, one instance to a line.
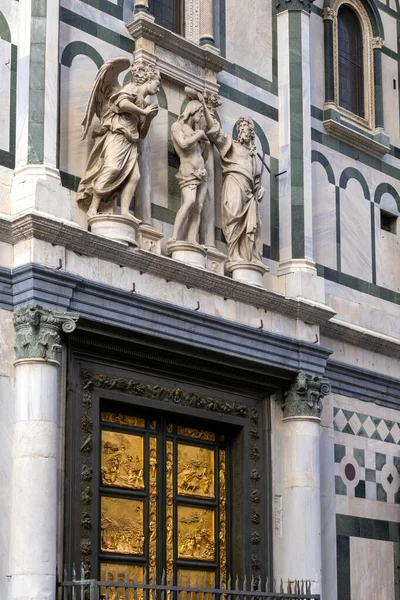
[241, 193]
[192, 146]
[124, 116]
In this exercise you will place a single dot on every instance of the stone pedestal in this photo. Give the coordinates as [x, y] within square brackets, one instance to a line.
[149, 238]
[248, 273]
[116, 227]
[215, 260]
[301, 523]
[35, 453]
[187, 252]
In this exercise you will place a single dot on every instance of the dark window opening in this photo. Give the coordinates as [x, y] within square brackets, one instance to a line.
[350, 50]
[388, 222]
[168, 14]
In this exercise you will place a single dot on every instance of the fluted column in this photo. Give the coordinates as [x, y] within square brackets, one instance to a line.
[35, 445]
[301, 515]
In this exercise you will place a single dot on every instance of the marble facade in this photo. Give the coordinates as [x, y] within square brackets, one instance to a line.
[328, 305]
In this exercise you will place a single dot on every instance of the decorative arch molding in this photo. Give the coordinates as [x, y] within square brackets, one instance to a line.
[351, 173]
[5, 32]
[322, 160]
[386, 188]
[372, 11]
[75, 48]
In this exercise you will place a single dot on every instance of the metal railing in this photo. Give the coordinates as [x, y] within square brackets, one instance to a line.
[123, 585]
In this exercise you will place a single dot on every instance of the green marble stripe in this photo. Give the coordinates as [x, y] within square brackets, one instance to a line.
[370, 529]
[253, 78]
[75, 48]
[343, 567]
[99, 31]
[386, 188]
[386, 9]
[116, 10]
[37, 66]
[359, 285]
[5, 33]
[378, 88]
[7, 159]
[322, 160]
[390, 53]
[296, 134]
[222, 26]
[248, 102]
[13, 99]
[329, 62]
[338, 230]
[274, 209]
[352, 173]
[373, 243]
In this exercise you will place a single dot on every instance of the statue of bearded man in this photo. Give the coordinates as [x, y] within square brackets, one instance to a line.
[241, 192]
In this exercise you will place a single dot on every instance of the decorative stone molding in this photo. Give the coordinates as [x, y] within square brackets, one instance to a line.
[303, 398]
[294, 5]
[328, 13]
[377, 42]
[38, 331]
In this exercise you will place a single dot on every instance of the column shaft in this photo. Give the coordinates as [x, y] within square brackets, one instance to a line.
[34, 485]
[206, 22]
[301, 527]
[378, 87]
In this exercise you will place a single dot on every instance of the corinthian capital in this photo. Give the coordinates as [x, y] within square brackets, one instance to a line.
[38, 331]
[303, 398]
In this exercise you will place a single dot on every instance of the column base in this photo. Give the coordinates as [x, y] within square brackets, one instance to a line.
[249, 273]
[187, 252]
[300, 280]
[115, 227]
[149, 238]
[215, 260]
[38, 187]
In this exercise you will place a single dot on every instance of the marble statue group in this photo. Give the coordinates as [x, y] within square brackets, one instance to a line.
[125, 117]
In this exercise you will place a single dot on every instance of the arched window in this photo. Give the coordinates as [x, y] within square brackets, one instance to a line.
[350, 61]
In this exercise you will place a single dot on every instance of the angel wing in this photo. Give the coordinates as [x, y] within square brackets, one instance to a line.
[105, 84]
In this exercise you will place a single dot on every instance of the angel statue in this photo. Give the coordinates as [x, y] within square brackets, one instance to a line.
[124, 116]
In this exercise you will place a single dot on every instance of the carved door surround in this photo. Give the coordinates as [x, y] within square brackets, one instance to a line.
[161, 428]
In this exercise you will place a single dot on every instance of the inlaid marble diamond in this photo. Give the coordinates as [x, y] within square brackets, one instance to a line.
[395, 431]
[383, 429]
[355, 423]
[369, 426]
[340, 420]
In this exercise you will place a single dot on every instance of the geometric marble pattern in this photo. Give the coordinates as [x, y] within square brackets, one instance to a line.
[366, 474]
[355, 423]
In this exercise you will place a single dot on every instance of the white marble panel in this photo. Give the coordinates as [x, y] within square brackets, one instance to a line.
[5, 93]
[355, 230]
[371, 569]
[328, 513]
[390, 29]
[247, 21]
[317, 60]
[391, 97]
[7, 340]
[324, 217]
[241, 85]
[24, 26]
[6, 428]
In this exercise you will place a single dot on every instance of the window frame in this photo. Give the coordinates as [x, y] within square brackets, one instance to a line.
[368, 121]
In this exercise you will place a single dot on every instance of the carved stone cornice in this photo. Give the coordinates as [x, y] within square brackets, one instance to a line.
[144, 28]
[38, 331]
[303, 398]
[294, 5]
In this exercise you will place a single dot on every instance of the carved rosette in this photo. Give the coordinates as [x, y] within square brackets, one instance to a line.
[303, 398]
[91, 381]
[38, 331]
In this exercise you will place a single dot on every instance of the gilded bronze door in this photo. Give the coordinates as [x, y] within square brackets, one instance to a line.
[163, 500]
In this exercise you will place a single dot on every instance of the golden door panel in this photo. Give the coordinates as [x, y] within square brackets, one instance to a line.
[195, 471]
[196, 538]
[120, 419]
[201, 579]
[121, 573]
[197, 434]
[122, 460]
[122, 526]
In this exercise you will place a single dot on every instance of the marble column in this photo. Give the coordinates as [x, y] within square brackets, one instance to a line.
[36, 183]
[206, 23]
[297, 266]
[35, 447]
[301, 514]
